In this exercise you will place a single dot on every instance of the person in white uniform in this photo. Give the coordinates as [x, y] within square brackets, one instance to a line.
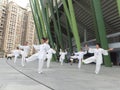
[25, 52]
[37, 48]
[62, 56]
[16, 53]
[43, 54]
[79, 55]
[50, 52]
[97, 58]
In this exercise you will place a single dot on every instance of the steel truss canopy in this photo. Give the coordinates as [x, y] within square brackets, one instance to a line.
[85, 20]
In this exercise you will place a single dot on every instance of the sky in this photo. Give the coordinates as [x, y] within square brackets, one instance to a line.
[22, 3]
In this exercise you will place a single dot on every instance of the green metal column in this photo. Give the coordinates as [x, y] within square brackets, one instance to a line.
[74, 25]
[46, 22]
[58, 22]
[101, 29]
[118, 4]
[38, 9]
[56, 29]
[68, 29]
[69, 11]
[95, 22]
[35, 17]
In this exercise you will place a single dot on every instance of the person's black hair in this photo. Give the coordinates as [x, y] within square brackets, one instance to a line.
[45, 39]
[17, 47]
[85, 44]
[98, 44]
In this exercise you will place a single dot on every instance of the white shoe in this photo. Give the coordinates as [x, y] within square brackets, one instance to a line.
[23, 65]
[25, 60]
[40, 72]
[48, 67]
[96, 72]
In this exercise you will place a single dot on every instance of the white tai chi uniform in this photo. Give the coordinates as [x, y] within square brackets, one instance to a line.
[96, 58]
[24, 53]
[79, 55]
[62, 56]
[34, 56]
[16, 53]
[49, 56]
[37, 48]
[42, 55]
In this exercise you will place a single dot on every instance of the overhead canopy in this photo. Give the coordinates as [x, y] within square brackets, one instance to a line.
[85, 19]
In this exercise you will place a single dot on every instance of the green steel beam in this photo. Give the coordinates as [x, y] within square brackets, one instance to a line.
[40, 18]
[55, 23]
[69, 35]
[118, 4]
[39, 34]
[34, 19]
[69, 11]
[37, 17]
[95, 22]
[101, 29]
[58, 21]
[47, 15]
[46, 22]
[74, 25]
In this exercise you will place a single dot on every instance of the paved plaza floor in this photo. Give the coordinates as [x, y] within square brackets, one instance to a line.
[57, 77]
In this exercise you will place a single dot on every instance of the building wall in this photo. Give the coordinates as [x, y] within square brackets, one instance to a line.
[19, 27]
[30, 30]
[2, 23]
[14, 26]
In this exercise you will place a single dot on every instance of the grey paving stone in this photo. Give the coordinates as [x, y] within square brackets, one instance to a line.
[66, 77]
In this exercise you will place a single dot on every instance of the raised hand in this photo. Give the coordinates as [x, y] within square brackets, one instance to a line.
[110, 49]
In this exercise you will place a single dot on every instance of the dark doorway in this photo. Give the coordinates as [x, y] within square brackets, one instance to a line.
[113, 56]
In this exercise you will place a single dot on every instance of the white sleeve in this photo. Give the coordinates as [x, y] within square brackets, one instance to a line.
[47, 47]
[19, 51]
[76, 53]
[65, 53]
[104, 52]
[36, 47]
[21, 47]
[91, 50]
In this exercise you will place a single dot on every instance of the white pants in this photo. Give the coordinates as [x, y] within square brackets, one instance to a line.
[24, 54]
[49, 57]
[32, 58]
[94, 59]
[15, 58]
[48, 62]
[40, 66]
[79, 63]
[42, 57]
[61, 60]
